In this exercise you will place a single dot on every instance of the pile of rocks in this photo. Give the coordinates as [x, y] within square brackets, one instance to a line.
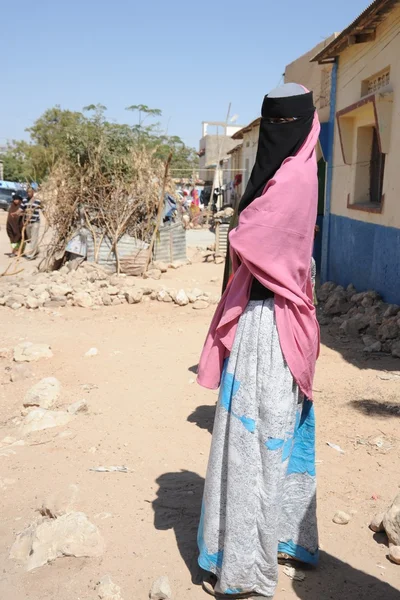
[92, 286]
[363, 315]
[211, 256]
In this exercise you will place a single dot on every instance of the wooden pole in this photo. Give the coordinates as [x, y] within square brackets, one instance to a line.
[159, 212]
[217, 168]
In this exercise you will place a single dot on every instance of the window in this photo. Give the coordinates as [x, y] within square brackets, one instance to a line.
[376, 82]
[370, 166]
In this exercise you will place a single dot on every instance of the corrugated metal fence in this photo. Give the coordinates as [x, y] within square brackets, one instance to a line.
[170, 246]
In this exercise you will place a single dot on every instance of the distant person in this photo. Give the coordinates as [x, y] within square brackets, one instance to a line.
[31, 207]
[15, 222]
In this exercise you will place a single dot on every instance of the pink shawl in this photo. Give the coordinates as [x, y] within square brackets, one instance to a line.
[273, 242]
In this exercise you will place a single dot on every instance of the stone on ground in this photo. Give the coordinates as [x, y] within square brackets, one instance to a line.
[108, 590]
[40, 418]
[160, 266]
[134, 296]
[341, 518]
[161, 589]
[83, 299]
[394, 553]
[69, 535]
[28, 352]
[376, 524]
[200, 305]
[79, 406]
[20, 372]
[181, 298]
[152, 274]
[391, 522]
[43, 394]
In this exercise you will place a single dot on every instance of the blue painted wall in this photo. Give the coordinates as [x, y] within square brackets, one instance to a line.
[366, 255]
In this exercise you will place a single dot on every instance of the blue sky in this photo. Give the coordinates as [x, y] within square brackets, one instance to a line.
[188, 59]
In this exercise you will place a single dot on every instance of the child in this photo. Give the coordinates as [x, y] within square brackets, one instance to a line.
[15, 223]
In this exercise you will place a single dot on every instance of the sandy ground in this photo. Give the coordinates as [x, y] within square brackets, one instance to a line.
[147, 413]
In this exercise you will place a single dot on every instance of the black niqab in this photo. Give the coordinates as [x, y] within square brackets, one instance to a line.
[278, 141]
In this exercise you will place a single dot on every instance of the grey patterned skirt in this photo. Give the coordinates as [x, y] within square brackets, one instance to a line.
[259, 496]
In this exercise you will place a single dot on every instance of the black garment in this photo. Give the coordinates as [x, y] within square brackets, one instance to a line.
[276, 143]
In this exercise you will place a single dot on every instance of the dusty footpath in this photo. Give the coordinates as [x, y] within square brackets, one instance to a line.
[146, 413]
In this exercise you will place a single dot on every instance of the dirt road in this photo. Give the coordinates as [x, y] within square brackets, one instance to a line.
[146, 412]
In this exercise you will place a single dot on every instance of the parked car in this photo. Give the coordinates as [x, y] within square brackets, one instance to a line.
[6, 196]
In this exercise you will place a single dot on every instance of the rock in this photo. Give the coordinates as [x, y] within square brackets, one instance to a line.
[396, 350]
[92, 352]
[219, 260]
[160, 266]
[15, 299]
[147, 291]
[28, 352]
[394, 554]
[69, 535]
[108, 590]
[200, 305]
[324, 320]
[112, 290]
[152, 274]
[40, 418]
[389, 330]
[354, 325]
[134, 296]
[116, 301]
[193, 295]
[43, 394]
[177, 264]
[376, 524]
[325, 291]
[16, 306]
[391, 311]
[337, 303]
[341, 518]
[106, 299]
[161, 589]
[391, 522]
[181, 298]
[368, 340]
[163, 296]
[153, 295]
[375, 347]
[350, 291]
[20, 372]
[60, 503]
[82, 299]
[210, 258]
[59, 302]
[57, 291]
[32, 302]
[79, 406]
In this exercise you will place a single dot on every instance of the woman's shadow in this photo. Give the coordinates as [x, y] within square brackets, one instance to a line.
[177, 507]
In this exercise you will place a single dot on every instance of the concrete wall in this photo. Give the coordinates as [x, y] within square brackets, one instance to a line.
[364, 246]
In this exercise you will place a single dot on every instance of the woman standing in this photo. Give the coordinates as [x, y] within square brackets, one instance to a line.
[259, 497]
[14, 225]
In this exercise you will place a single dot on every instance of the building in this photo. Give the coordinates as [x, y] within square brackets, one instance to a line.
[215, 143]
[361, 241]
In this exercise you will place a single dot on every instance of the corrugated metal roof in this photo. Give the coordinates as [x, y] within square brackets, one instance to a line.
[366, 23]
